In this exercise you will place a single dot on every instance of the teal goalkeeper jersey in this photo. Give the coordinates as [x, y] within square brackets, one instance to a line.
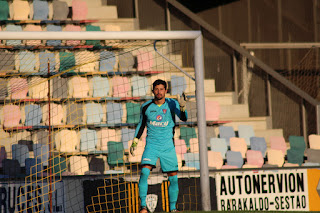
[160, 122]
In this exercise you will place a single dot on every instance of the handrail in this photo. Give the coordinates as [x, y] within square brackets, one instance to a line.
[231, 46]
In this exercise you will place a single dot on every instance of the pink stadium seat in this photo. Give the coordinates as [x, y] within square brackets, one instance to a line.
[72, 28]
[215, 159]
[145, 61]
[212, 110]
[181, 147]
[314, 141]
[79, 10]
[278, 143]
[11, 116]
[121, 86]
[255, 158]
[238, 145]
[32, 27]
[18, 88]
[21, 10]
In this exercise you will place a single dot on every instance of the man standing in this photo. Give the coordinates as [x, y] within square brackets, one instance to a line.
[159, 117]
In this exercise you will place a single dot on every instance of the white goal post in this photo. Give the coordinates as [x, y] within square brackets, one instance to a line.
[196, 36]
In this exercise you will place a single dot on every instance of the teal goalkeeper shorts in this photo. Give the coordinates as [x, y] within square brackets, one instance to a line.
[168, 158]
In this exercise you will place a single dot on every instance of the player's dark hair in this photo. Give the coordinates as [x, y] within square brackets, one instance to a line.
[158, 82]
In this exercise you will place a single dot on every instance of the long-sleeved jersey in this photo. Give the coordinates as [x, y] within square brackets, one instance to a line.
[160, 122]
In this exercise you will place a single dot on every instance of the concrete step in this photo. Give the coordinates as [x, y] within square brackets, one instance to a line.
[223, 98]
[267, 133]
[102, 12]
[90, 3]
[258, 123]
[234, 111]
[125, 24]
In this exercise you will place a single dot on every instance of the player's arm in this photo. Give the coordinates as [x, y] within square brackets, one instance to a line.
[181, 107]
[139, 130]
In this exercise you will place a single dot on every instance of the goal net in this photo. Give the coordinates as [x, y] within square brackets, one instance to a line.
[69, 109]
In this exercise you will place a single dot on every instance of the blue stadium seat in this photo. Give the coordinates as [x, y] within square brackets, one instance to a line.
[95, 113]
[27, 61]
[219, 145]
[192, 160]
[246, 132]
[54, 28]
[41, 151]
[33, 115]
[13, 28]
[20, 153]
[88, 140]
[40, 10]
[178, 85]
[234, 159]
[34, 168]
[11, 168]
[107, 61]
[258, 144]
[226, 132]
[126, 135]
[44, 59]
[100, 86]
[140, 86]
[114, 113]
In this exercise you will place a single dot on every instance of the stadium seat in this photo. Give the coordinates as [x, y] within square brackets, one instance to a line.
[140, 86]
[212, 110]
[192, 160]
[4, 10]
[107, 61]
[79, 10]
[137, 153]
[115, 153]
[181, 147]
[178, 85]
[53, 28]
[192, 111]
[56, 114]
[255, 158]
[11, 168]
[38, 88]
[297, 143]
[226, 132]
[246, 132]
[44, 59]
[121, 87]
[59, 87]
[88, 140]
[114, 113]
[97, 165]
[258, 144]
[67, 61]
[13, 28]
[278, 142]
[310, 164]
[58, 165]
[7, 61]
[215, 160]
[25, 141]
[234, 159]
[219, 145]
[75, 114]
[314, 141]
[40, 10]
[78, 87]
[60, 10]
[238, 145]
[99, 86]
[95, 114]
[67, 141]
[86, 60]
[186, 133]
[126, 61]
[144, 61]
[105, 135]
[229, 167]
[11, 116]
[33, 113]
[41, 151]
[3, 154]
[21, 10]
[27, 61]
[126, 135]
[40, 137]
[275, 157]
[3, 88]
[133, 112]
[313, 155]
[78, 165]
[20, 153]
[33, 27]
[34, 167]
[92, 28]
[194, 145]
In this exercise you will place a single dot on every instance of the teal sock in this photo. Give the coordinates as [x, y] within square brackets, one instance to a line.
[143, 185]
[173, 191]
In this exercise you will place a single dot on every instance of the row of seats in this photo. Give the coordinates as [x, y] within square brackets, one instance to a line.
[86, 61]
[43, 10]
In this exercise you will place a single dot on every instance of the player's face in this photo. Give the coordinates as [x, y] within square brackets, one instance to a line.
[159, 92]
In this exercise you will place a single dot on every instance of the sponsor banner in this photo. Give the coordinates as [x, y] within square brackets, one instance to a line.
[314, 189]
[283, 190]
[31, 197]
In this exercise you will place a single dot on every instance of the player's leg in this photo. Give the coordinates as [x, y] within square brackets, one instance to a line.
[169, 164]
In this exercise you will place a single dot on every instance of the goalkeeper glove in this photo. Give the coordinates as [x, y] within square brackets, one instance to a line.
[182, 102]
[134, 145]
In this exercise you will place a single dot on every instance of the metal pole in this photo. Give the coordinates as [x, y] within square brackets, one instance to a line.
[203, 150]
[168, 17]
[318, 118]
[235, 75]
[304, 122]
[269, 96]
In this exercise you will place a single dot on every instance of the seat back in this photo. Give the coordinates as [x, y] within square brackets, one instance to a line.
[234, 159]
[121, 86]
[11, 116]
[145, 61]
[219, 145]
[181, 147]
[115, 153]
[140, 86]
[126, 61]
[314, 141]
[33, 115]
[215, 159]
[255, 158]
[246, 132]
[100, 86]
[107, 61]
[88, 140]
[186, 133]
[238, 145]
[20, 152]
[114, 113]
[133, 112]
[79, 10]
[178, 85]
[44, 59]
[94, 113]
[278, 142]
[192, 160]
[275, 157]
[41, 151]
[40, 10]
[258, 144]
[226, 132]
[78, 165]
[212, 110]
[105, 135]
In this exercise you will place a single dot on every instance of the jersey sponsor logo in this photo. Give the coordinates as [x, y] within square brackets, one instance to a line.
[146, 159]
[160, 124]
[164, 111]
[159, 118]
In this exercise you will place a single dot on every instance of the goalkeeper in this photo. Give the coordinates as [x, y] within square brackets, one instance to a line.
[159, 117]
